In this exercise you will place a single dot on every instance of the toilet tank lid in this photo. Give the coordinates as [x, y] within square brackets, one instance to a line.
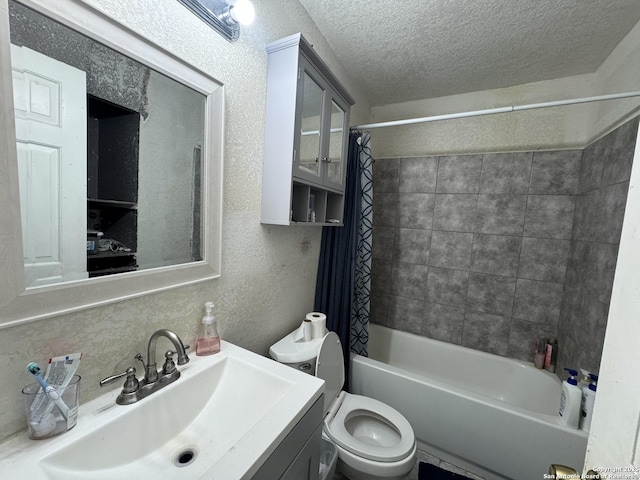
[293, 348]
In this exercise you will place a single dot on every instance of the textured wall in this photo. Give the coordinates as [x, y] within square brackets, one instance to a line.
[602, 194]
[268, 273]
[543, 129]
[472, 249]
[618, 73]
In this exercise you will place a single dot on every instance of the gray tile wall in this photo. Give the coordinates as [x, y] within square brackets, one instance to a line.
[473, 249]
[492, 251]
[602, 193]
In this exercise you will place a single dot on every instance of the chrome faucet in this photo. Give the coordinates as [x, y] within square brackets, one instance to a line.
[150, 372]
[153, 381]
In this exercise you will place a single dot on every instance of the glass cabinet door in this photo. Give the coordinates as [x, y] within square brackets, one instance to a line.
[335, 162]
[309, 163]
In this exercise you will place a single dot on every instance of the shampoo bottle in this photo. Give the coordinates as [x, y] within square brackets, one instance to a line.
[570, 401]
[208, 342]
[588, 399]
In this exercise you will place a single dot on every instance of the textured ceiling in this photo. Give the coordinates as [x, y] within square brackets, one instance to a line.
[402, 50]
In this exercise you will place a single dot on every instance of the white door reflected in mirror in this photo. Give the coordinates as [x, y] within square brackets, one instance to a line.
[51, 137]
[109, 155]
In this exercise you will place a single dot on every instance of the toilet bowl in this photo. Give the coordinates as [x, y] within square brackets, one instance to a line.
[374, 441]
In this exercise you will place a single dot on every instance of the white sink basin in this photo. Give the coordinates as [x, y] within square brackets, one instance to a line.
[220, 420]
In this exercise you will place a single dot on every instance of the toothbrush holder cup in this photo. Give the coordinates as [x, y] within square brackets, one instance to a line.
[51, 413]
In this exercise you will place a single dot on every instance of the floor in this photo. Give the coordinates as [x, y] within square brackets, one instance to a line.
[428, 458]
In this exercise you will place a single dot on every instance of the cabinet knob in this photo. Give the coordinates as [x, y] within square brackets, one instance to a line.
[326, 159]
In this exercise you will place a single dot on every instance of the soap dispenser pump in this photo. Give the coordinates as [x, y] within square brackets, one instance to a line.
[570, 401]
[208, 342]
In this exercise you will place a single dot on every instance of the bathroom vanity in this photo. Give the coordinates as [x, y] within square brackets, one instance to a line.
[233, 415]
[290, 461]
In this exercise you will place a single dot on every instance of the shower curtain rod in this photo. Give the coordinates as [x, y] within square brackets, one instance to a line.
[491, 111]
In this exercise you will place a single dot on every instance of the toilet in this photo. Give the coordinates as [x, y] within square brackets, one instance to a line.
[374, 441]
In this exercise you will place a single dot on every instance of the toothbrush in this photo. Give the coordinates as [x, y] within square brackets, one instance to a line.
[51, 392]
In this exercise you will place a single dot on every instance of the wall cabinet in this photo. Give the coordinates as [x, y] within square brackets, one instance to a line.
[306, 137]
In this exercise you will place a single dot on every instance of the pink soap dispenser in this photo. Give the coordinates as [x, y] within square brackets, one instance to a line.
[208, 342]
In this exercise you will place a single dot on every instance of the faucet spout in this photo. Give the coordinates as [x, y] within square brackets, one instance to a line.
[151, 372]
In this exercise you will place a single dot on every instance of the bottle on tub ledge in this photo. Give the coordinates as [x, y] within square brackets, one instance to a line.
[570, 401]
[585, 378]
[588, 400]
[208, 342]
[551, 355]
[538, 358]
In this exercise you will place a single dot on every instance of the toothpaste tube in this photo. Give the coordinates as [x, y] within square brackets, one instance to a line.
[60, 371]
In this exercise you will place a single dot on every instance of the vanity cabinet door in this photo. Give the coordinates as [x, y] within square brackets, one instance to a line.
[305, 466]
[297, 457]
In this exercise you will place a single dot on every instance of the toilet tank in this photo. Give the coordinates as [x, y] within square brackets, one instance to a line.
[306, 367]
[295, 352]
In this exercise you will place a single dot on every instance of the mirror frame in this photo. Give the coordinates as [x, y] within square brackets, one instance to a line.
[19, 304]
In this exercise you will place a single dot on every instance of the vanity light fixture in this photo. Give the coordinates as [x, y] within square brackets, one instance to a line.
[224, 16]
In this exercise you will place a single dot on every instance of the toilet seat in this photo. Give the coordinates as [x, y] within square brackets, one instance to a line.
[376, 418]
[378, 432]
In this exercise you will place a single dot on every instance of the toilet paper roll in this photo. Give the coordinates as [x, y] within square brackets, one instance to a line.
[318, 324]
[307, 330]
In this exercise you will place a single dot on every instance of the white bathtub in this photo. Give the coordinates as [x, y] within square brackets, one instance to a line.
[493, 416]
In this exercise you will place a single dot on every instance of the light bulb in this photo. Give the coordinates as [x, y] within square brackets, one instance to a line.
[242, 11]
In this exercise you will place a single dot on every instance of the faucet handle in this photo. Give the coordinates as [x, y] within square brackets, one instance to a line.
[131, 384]
[139, 357]
[185, 359]
[169, 365]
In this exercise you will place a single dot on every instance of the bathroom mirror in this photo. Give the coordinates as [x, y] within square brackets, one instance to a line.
[114, 159]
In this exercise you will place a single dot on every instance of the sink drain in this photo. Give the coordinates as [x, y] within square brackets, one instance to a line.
[185, 457]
